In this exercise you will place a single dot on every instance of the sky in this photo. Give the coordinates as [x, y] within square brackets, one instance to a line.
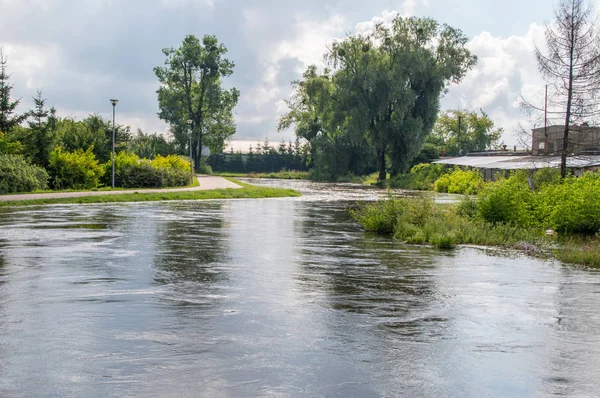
[81, 53]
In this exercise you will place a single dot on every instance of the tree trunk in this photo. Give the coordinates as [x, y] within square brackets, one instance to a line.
[563, 155]
[195, 154]
[381, 164]
[197, 158]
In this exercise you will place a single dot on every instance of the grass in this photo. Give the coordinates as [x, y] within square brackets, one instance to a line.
[283, 174]
[420, 221]
[580, 251]
[246, 192]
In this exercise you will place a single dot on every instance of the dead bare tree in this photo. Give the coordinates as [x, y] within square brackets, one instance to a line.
[571, 65]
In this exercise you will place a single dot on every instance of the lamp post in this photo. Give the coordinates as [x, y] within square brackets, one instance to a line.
[189, 123]
[114, 104]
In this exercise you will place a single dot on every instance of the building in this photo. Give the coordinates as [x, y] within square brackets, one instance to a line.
[548, 141]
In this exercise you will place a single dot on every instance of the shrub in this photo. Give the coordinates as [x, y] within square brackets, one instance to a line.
[463, 182]
[572, 206]
[421, 177]
[172, 162]
[380, 216]
[18, 175]
[508, 200]
[78, 170]
[133, 172]
[546, 176]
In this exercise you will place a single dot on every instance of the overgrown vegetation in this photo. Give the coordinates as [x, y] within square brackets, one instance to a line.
[420, 221]
[515, 211]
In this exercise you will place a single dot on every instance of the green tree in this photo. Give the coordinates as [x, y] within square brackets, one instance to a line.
[317, 117]
[150, 145]
[389, 83]
[191, 89]
[39, 138]
[9, 119]
[459, 132]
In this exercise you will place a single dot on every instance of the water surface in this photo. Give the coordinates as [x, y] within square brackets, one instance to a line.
[284, 297]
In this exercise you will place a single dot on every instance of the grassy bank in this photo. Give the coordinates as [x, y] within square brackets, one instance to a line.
[420, 221]
[246, 192]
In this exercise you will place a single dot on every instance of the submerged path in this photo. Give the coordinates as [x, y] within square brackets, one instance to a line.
[206, 183]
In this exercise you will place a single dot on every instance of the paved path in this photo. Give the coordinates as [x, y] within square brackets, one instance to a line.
[206, 183]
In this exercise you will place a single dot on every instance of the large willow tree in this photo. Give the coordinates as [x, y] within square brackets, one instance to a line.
[385, 86]
[191, 90]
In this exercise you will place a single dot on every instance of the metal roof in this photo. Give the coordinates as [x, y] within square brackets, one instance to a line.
[520, 162]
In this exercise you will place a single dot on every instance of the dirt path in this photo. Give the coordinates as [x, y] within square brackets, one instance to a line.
[206, 183]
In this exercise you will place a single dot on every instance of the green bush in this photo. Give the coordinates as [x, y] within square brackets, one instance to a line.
[133, 172]
[572, 206]
[173, 162]
[463, 182]
[18, 175]
[77, 170]
[421, 177]
[380, 216]
[508, 200]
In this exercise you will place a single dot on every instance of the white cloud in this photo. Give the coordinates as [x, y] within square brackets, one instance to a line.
[506, 68]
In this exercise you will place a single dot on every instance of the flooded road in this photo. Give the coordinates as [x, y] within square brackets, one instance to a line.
[278, 298]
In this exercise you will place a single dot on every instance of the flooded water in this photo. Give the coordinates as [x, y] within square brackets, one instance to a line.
[278, 298]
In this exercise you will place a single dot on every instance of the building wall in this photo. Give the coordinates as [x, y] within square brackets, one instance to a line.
[581, 139]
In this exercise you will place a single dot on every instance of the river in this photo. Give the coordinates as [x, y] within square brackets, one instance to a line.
[279, 298]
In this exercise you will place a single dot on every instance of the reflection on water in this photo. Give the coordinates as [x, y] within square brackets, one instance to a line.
[283, 297]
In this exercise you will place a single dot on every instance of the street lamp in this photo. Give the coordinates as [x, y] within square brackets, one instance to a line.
[189, 123]
[114, 104]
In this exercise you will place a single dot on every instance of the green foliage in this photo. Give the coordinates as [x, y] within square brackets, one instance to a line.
[508, 200]
[477, 133]
[571, 206]
[463, 182]
[576, 252]
[133, 172]
[92, 131]
[421, 177]
[77, 170]
[18, 175]
[191, 89]
[380, 217]
[420, 221]
[150, 145]
[171, 162]
[546, 176]
[8, 146]
[381, 98]
[39, 139]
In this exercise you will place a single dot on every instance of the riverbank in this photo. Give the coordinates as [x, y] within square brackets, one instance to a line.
[446, 226]
[210, 187]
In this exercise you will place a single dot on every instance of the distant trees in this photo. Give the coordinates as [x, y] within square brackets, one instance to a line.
[571, 65]
[191, 89]
[459, 132]
[262, 158]
[381, 98]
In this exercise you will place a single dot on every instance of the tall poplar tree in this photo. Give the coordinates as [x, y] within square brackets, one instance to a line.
[191, 89]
